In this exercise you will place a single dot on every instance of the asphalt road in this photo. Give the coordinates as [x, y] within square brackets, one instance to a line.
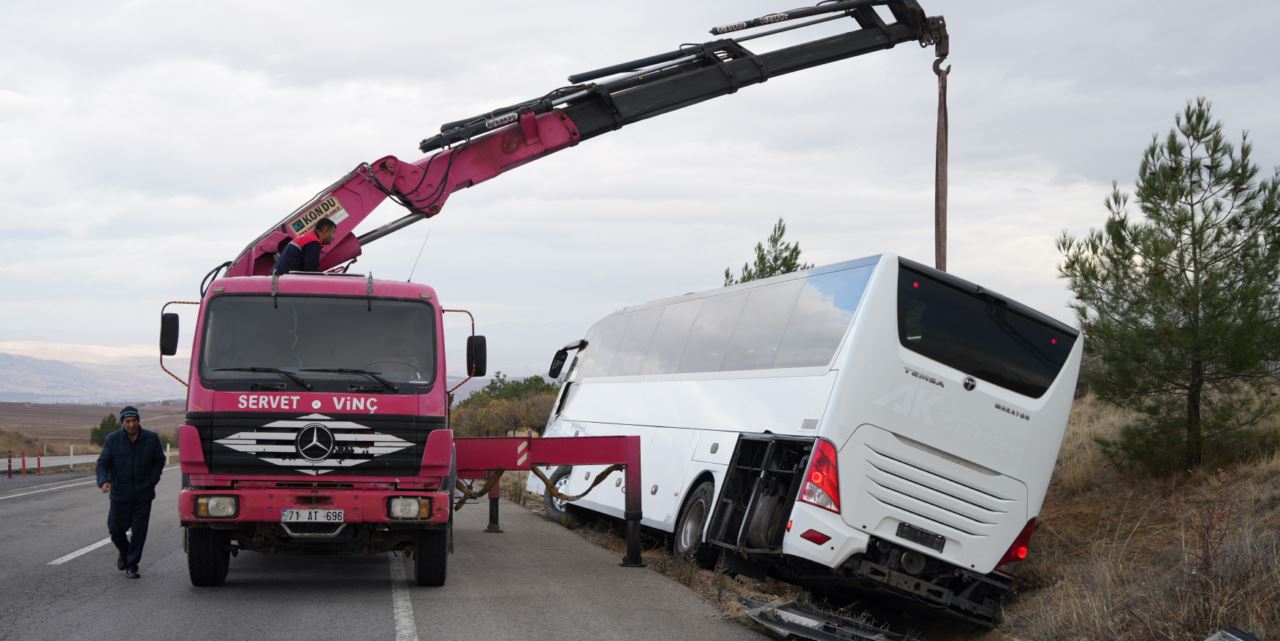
[535, 581]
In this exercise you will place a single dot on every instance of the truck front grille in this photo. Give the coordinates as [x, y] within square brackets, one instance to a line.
[313, 444]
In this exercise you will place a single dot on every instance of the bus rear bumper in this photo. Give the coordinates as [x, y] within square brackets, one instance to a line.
[810, 525]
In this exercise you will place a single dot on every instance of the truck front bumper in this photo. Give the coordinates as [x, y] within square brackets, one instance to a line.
[357, 505]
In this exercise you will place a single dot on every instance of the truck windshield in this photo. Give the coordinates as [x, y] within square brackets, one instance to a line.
[979, 334]
[332, 343]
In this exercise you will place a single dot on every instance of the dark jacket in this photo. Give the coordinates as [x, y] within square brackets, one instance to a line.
[301, 254]
[133, 468]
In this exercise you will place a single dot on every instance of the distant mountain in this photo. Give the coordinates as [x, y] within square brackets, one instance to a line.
[132, 379]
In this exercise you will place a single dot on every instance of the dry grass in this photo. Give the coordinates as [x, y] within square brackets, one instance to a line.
[62, 425]
[13, 441]
[1135, 559]
[1081, 463]
[18, 442]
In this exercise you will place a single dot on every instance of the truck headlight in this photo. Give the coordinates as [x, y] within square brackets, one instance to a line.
[217, 507]
[406, 507]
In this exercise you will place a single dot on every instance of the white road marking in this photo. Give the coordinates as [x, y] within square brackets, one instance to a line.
[82, 551]
[406, 628]
[61, 487]
[49, 489]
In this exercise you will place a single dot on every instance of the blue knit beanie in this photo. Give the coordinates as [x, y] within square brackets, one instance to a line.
[128, 411]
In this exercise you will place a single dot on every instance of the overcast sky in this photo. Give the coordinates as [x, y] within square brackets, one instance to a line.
[144, 142]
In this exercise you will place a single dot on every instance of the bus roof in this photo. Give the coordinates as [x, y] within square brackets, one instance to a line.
[780, 278]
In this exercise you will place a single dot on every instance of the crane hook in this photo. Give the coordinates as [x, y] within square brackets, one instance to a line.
[937, 67]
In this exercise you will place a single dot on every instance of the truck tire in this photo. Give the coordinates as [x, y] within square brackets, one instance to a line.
[431, 557]
[557, 510]
[690, 527]
[208, 556]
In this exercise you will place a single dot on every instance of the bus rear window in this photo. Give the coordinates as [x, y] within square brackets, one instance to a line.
[979, 334]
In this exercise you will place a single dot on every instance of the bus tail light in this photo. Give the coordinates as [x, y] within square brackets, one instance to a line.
[821, 485]
[1018, 551]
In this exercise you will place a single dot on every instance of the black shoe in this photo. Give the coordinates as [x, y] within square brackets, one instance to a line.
[120, 563]
[132, 573]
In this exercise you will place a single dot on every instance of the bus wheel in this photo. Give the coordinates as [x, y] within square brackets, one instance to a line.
[557, 510]
[689, 543]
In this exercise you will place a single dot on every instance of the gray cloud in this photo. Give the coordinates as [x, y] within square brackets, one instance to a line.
[141, 143]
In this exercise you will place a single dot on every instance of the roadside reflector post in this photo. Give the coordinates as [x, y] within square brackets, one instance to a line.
[493, 527]
[633, 513]
[39, 471]
[10, 463]
[24, 462]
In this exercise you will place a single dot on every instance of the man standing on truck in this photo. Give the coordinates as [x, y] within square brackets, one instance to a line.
[303, 253]
[129, 468]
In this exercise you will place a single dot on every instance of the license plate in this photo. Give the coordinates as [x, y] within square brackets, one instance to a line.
[923, 537]
[312, 516]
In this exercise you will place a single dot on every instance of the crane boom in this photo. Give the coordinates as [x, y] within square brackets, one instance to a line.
[473, 150]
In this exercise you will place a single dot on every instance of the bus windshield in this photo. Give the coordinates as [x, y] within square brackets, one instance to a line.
[979, 334]
[309, 338]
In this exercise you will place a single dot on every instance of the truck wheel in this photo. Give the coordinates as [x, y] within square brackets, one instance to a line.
[556, 509]
[208, 556]
[431, 557]
[689, 543]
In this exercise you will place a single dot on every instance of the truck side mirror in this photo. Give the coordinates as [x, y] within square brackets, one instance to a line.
[557, 363]
[477, 356]
[168, 334]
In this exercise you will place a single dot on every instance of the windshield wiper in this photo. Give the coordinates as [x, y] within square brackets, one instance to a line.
[350, 370]
[271, 370]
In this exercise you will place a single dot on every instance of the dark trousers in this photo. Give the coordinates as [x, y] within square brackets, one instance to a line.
[129, 516]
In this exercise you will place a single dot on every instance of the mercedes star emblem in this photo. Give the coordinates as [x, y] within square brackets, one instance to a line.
[969, 383]
[315, 442]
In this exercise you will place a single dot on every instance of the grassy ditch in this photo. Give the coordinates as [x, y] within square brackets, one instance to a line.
[1116, 556]
[1135, 558]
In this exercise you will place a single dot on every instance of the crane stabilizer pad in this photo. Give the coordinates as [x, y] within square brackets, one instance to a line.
[791, 620]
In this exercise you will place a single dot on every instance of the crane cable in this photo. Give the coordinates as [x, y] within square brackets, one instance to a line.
[940, 169]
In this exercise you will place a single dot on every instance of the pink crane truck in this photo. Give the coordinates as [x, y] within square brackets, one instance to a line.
[318, 406]
[317, 422]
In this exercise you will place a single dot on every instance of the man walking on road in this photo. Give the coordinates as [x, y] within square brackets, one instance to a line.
[128, 470]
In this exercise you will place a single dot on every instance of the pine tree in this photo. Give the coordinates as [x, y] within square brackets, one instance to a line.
[107, 425]
[778, 258]
[1181, 307]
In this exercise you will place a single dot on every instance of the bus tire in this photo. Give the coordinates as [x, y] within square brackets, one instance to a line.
[691, 526]
[208, 556]
[556, 509]
[431, 557]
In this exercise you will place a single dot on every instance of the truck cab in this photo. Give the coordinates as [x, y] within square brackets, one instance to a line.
[316, 421]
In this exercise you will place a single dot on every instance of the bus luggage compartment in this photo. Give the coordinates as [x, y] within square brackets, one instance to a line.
[759, 490]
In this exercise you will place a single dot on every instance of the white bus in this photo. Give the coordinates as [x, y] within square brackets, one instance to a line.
[873, 425]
